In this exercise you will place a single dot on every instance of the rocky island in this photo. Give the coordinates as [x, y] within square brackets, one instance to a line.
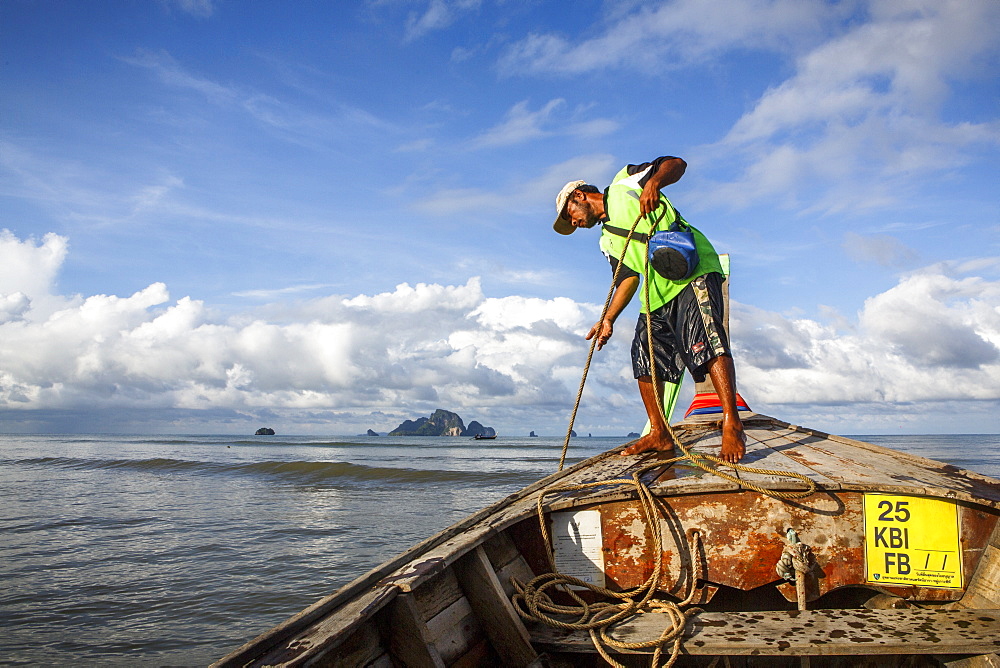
[441, 423]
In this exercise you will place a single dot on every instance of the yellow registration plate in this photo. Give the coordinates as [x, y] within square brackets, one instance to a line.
[912, 540]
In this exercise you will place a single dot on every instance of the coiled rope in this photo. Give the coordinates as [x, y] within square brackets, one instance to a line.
[532, 600]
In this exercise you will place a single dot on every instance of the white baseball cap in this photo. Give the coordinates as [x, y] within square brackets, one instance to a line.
[563, 226]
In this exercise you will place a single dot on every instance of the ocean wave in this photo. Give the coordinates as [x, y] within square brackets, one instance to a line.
[173, 440]
[309, 472]
[272, 442]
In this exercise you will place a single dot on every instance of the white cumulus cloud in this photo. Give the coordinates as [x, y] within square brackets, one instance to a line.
[521, 124]
[438, 14]
[29, 267]
[861, 119]
[666, 35]
[934, 337]
[424, 345]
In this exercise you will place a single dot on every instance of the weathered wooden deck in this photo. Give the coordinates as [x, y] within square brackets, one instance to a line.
[807, 633]
[833, 462]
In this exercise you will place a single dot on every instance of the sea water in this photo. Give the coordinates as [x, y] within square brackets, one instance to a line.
[156, 551]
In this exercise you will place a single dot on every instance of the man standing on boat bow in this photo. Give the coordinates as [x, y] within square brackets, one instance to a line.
[687, 315]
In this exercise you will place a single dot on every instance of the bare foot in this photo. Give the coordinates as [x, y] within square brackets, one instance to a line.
[650, 441]
[733, 441]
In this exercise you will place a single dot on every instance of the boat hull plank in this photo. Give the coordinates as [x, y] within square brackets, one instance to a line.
[839, 463]
[865, 466]
[759, 455]
[364, 647]
[507, 561]
[504, 628]
[501, 550]
[440, 592]
[327, 634]
[984, 588]
[410, 636]
[806, 633]
[518, 570]
[438, 559]
[986, 583]
[765, 456]
[455, 631]
[981, 661]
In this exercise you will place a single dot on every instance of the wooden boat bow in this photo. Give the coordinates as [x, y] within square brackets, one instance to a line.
[447, 601]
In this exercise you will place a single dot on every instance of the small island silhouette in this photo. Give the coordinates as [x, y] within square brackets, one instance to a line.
[441, 423]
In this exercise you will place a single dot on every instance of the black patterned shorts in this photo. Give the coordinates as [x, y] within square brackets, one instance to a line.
[688, 332]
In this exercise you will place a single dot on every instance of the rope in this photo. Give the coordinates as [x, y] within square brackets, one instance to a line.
[796, 562]
[532, 601]
[593, 344]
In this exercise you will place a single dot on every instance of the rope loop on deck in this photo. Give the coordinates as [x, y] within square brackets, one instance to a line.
[710, 464]
[532, 600]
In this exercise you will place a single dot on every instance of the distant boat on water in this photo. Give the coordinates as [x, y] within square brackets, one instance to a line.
[483, 437]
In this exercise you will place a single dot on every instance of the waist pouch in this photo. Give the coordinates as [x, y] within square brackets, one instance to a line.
[672, 252]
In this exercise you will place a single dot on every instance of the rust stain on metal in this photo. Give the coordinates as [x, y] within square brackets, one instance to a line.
[626, 538]
[976, 526]
[742, 537]
[743, 533]
[742, 540]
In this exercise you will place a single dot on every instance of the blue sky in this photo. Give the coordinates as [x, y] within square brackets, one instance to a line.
[328, 217]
